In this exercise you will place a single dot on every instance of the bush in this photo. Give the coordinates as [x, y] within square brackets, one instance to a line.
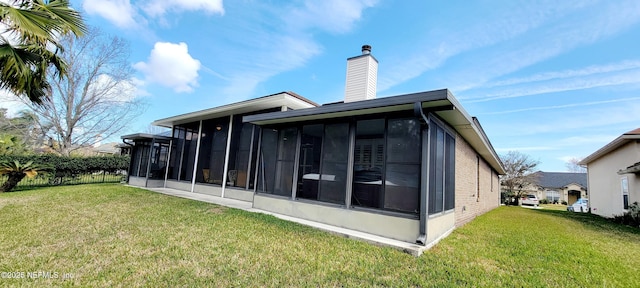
[631, 217]
[544, 201]
[563, 202]
[72, 166]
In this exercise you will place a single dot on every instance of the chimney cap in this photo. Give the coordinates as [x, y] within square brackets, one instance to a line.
[366, 49]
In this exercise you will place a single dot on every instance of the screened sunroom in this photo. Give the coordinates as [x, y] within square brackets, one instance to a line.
[148, 159]
[213, 152]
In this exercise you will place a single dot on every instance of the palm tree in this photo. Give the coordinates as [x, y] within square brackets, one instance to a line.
[29, 44]
[17, 172]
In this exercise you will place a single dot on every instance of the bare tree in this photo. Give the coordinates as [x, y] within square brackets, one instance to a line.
[96, 98]
[519, 170]
[573, 166]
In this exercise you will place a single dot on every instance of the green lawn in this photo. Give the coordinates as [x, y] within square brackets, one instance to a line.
[111, 235]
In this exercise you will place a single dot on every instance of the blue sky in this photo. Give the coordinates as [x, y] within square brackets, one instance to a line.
[552, 79]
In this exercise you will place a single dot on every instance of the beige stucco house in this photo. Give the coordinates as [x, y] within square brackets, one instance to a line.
[614, 175]
[410, 167]
[557, 187]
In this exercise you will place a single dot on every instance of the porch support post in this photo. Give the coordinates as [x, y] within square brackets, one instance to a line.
[166, 168]
[146, 178]
[296, 166]
[195, 162]
[258, 160]
[253, 134]
[350, 164]
[226, 156]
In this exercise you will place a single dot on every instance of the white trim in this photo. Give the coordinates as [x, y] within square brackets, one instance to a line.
[195, 161]
[166, 169]
[226, 155]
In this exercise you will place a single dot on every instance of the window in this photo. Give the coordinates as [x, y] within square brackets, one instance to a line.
[450, 175]
[309, 166]
[176, 151]
[135, 159]
[243, 146]
[368, 164]
[278, 151]
[322, 173]
[333, 168]
[402, 173]
[441, 170]
[213, 149]
[183, 151]
[477, 178]
[553, 196]
[387, 169]
[625, 192]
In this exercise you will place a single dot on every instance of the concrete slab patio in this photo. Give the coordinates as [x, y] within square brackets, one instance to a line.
[413, 249]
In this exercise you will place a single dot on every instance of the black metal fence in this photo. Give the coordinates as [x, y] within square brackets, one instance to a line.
[44, 180]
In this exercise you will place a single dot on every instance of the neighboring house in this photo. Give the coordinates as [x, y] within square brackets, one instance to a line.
[112, 148]
[614, 175]
[559, 186]
[409, 167]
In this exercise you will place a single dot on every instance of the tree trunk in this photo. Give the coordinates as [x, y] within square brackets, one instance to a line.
[12, 181]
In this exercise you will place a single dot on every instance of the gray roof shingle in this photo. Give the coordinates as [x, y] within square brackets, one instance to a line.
[560, 179]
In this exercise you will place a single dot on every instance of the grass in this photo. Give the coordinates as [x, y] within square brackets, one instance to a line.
[559, 207]
[112, 235]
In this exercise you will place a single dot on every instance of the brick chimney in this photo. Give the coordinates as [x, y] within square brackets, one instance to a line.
[362, 77]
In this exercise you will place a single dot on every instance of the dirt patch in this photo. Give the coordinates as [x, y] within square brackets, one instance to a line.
[18, 200]
[217, 210]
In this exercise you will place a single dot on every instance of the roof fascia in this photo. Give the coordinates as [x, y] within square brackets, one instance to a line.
[611, 146]
[271, 101]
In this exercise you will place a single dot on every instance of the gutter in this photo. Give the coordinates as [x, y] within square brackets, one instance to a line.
[424, 168]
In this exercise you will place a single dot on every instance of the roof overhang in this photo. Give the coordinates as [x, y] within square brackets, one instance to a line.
[440, 102]
[283, 99]
[144, 136]
[613, 145]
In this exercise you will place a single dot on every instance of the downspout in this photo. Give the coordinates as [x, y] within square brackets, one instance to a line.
[424, 168]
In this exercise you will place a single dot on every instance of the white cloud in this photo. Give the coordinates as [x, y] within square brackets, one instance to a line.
[587, 71]
[112, 90]
[171, 65]
[547, 108]
[118, 12]
[335, 16]
[622, 78]
[158, 8]
[584, 120]
[525, 148]
[272, 40]
[550, 41]
[488, 30]
[125, 14]
[551, 31]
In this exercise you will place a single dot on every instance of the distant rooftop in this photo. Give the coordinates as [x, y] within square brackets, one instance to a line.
[560, 179]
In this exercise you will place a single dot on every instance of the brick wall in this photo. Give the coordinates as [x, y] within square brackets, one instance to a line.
[477, 185]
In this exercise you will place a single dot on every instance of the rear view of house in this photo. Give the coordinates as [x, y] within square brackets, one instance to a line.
[408, 167]
[614, 175]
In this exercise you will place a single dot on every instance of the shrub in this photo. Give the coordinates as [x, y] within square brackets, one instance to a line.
[563, 202]
[72, 166]
[16, 171]
[631, 217]
[544, 201]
